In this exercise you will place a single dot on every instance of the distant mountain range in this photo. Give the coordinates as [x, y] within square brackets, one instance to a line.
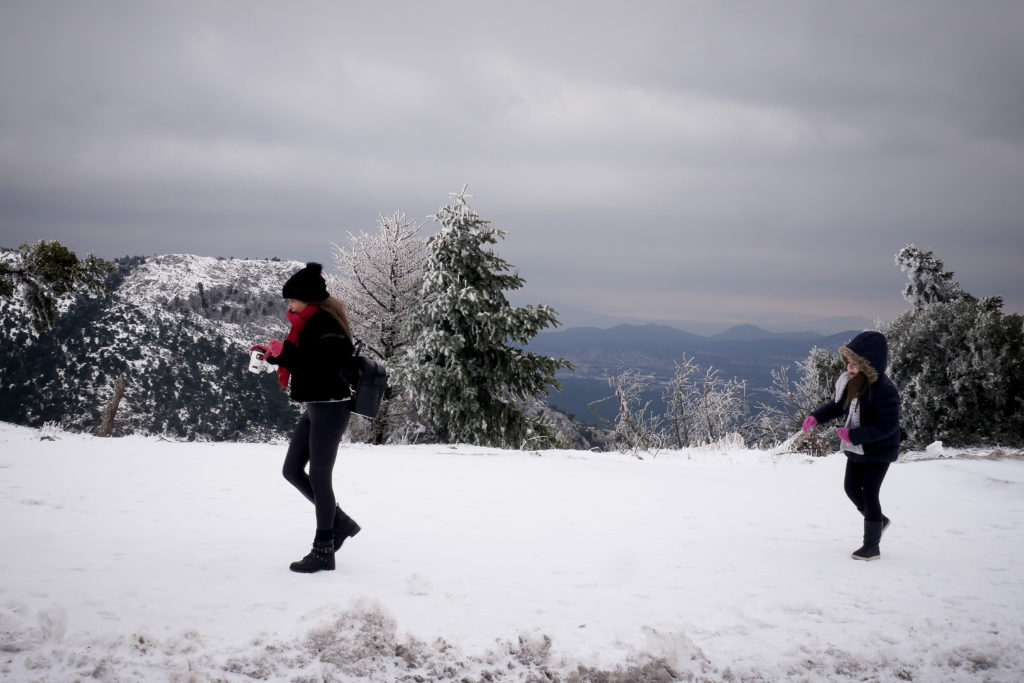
[572, 315]
[744, 351]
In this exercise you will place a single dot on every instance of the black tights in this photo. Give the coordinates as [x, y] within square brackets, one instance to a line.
[315, 442]
[863, 481]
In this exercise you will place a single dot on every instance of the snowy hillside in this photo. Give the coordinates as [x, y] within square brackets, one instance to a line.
[162, 279]
[138, 559]
[238, 299]
[177, 328]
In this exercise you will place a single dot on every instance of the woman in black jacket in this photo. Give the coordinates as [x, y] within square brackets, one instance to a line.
[870, 435]
[316, 360]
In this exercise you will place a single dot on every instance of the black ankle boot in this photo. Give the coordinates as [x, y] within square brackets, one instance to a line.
[872, 536]
[344, 527]
[321, 558]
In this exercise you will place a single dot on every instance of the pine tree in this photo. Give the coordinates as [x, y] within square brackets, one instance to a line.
[468, 371]
[380, 282]
[48, 270]
[927, 281]
[956, 359]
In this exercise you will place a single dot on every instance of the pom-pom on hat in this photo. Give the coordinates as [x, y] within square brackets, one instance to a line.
[307, 285]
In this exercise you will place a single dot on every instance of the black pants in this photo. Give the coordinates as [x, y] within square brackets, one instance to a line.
[315, 442]
[863, 481]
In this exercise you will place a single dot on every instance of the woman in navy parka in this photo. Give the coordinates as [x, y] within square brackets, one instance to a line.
[870, 405]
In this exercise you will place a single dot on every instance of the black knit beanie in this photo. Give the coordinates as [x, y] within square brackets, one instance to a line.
[306, 285]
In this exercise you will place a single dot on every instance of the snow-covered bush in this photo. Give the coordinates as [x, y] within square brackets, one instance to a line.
[700, 408]
[795, 399]
[959, 366]
[636, 427]
[957, 360]
[703, 407]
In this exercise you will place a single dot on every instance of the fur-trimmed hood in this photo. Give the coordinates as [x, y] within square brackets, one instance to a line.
[869, 351]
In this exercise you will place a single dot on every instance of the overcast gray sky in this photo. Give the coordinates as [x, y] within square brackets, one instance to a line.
[661, 161]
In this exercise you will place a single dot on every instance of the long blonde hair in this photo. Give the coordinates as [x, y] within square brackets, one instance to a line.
[860, 383]
[334, 306]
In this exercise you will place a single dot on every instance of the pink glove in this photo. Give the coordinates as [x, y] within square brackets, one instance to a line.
[276, 346]
[844, 434]
[810, 422]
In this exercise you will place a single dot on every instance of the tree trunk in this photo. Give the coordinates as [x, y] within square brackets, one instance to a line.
[380, 429]
[107, 426]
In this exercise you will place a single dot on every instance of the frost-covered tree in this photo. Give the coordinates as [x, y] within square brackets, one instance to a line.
[704, 408]
[958, 361]
[959, 366]
[927, 281]
[636, 428]
[700, 408]
[680, 398]
[795, 399]
[814, 386]
[468, 370]
[45, 271]
[381, 277]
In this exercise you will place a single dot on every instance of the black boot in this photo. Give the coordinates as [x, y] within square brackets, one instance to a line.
[344, 527]
[885, 520]
[872, 535]
[320, 558]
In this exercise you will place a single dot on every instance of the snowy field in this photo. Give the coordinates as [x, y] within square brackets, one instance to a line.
[144, 560]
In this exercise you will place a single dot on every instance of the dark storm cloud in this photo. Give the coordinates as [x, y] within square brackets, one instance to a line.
[662, 161]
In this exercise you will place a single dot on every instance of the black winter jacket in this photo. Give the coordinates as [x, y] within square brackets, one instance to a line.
[321, 364]
[879, 431]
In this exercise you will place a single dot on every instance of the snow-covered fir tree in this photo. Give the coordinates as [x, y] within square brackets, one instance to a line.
[469, 370]
[927, 281]
[957, 360]
[381, 276]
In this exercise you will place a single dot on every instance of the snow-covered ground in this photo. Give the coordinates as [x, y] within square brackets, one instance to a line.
[139, 559]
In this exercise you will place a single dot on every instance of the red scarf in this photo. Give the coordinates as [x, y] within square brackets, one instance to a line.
[298, 321]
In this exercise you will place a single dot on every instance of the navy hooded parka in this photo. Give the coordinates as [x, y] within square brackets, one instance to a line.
[879, 431]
